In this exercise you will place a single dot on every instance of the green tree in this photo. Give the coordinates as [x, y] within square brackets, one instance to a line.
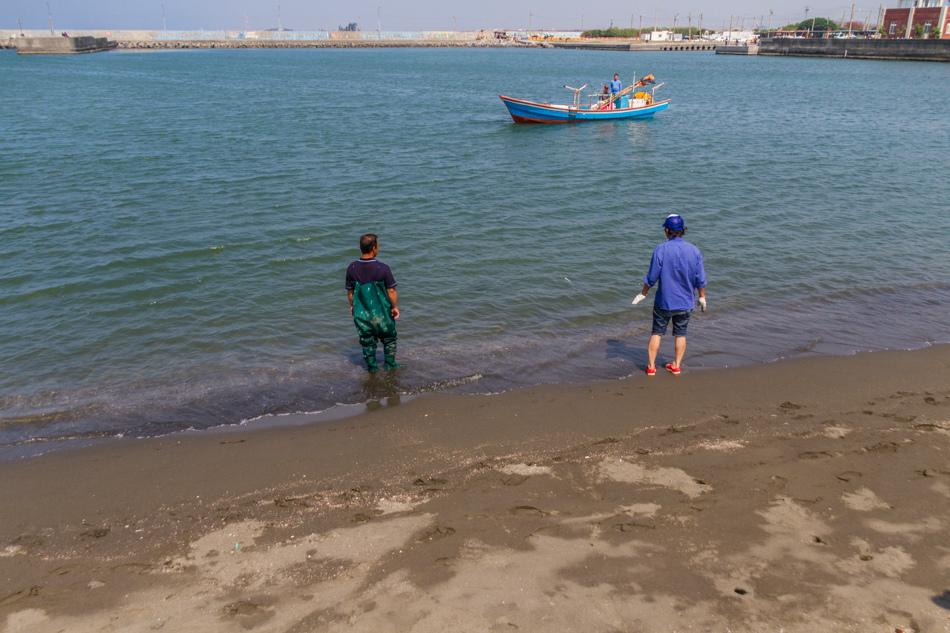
[815, 24]
[935, 32]
[918, 31]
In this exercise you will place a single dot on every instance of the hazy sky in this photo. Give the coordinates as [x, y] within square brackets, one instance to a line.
[406, 15]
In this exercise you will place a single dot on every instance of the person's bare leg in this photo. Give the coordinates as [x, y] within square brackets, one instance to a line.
[652, 349]
[680, 350]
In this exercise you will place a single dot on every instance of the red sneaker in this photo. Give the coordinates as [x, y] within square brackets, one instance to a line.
[673, 370]
[651, 372]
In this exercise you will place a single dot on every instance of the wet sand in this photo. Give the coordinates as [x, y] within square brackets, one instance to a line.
[811, 494]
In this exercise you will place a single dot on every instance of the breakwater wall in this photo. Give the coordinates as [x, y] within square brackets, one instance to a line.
[62, 45]
[276, 39]
[635, 45]
[748, 49]
[916, 50]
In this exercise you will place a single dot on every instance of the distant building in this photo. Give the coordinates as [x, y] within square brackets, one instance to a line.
[658, 36]
[903, 21]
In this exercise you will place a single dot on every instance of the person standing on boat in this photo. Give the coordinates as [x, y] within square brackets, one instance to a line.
[678, 267]
[615, 85]
[371, 289]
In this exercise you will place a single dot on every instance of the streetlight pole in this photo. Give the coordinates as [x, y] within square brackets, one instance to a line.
[50, 18]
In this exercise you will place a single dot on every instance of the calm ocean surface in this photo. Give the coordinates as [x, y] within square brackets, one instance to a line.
[174, 226]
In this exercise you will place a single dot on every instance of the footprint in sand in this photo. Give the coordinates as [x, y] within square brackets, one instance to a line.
[527, 511]
[437, 532]
[883, 447]
[814, 455]
[249, 614]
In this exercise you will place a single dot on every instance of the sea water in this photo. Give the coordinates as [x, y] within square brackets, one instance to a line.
[175, 226]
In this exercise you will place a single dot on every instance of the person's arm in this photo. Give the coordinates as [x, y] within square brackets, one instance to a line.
[349, 295]
[701, 282]
[394, 298]
[650, 280]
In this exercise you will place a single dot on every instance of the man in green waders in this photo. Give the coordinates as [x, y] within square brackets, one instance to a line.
[371, 290]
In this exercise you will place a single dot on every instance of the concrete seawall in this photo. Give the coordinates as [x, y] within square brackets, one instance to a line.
[270, 39]
[750, 49]
[62, 45]
[636, 45]
[916, 50]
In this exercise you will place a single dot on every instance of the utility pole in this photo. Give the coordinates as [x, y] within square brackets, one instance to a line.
[164, 26]
[50, 18]
[730, 29]
[700, 26]
[530, 18]
[631, 21]
[279, 27]
[770, 22]
[640, 30]
[690, 18]
[379, 26]
[453, 24]
[654, 18]
[851, 22]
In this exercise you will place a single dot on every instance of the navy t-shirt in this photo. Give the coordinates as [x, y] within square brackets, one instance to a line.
[366, 271]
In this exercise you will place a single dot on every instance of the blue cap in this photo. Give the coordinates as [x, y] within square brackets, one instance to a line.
[674, 223]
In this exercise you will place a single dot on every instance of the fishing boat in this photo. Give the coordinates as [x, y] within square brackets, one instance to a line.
[623, 105]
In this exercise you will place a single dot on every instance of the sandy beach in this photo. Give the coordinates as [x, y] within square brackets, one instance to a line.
[810, 494]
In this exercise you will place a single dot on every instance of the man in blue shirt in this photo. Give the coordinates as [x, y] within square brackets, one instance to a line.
[678, 267]
[371, 289]
[615, 85]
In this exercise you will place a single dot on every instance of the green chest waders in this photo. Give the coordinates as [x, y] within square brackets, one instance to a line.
[373, 318]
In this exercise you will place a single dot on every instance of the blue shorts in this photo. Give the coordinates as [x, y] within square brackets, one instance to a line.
[661, 318]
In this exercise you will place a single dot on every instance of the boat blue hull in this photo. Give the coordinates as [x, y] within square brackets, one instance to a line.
[530, 112]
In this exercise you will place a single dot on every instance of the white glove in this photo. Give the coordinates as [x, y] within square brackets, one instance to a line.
[640, 297]
[702, 304]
